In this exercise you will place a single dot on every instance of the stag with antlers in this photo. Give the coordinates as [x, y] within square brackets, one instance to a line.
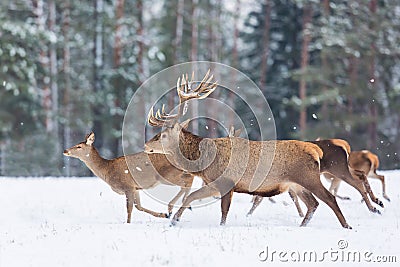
[232, 164]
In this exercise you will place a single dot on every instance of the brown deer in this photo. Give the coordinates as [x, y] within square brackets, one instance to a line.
[364, 161]
[232, 164]
[335, 164]
[146, 172]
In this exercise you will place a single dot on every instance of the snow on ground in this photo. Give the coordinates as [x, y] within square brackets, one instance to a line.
[81, 222]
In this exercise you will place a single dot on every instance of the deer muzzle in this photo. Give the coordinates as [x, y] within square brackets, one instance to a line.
[66, 152]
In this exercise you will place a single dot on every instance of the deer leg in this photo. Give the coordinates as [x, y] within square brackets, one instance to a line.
[129, 205]
[294, 198]
[365, 186]
[225, 204]
[188, 185]
[185, 195]
[344, 174]
[256, 201]
[174, 200]
[382, 179]
[136, 201]
[311, 203]
[184, 191]
[315, 186]
[333, 189]
[203, 192]
[370, 192]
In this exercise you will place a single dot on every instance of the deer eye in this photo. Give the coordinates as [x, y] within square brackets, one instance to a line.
[78, 147]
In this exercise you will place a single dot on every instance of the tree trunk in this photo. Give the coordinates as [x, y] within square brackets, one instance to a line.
[195, 31]
[141, 66]
[3, 158]
[235, 59]
[353, 70]
[97, 65]
[53, 78]
[212, 31]
[140, 37]
[373, 112]
[40, 17]
[265, 52]
[67, 79]
[119, 14]
[307, 17]
[193, 57]
[178, 30]
[325, 64]
[177, 47]
[235, 53]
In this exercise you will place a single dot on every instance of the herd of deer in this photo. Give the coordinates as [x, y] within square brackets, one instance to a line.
[175, 156]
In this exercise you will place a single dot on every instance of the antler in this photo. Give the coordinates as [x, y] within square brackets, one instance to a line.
[160, 118]
[185, 93]
[204, 89]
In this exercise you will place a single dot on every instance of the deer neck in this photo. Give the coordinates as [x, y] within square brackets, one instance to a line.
[96, 163]
[189, 145]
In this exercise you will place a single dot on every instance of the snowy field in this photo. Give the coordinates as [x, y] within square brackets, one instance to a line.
[81, 222]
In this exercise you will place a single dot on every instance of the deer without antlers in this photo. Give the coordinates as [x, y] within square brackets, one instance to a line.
[225, 167]
[148, 171]
[335, 165]
[366, 162]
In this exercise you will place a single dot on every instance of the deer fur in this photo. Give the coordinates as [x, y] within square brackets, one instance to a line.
[366, 162]
[294, 192]
[335, 166]
[146, 171]
[292, 162]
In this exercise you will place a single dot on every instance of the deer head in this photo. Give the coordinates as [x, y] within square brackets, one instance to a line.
[168, 140]
[83, 149]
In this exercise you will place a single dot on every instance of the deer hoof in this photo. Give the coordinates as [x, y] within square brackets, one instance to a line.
[375, 210]
[380, 203]
[174, 222]
[387, 198]
[347, 226]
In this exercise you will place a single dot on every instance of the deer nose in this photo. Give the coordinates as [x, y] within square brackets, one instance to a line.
[66, 152]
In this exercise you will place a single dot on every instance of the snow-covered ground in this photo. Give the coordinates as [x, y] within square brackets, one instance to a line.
[81, 222]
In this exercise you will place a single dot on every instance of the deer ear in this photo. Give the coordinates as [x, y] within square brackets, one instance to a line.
[90, 139]
[234, 133]
[237, 132]
[185, 124]
[177, 127]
